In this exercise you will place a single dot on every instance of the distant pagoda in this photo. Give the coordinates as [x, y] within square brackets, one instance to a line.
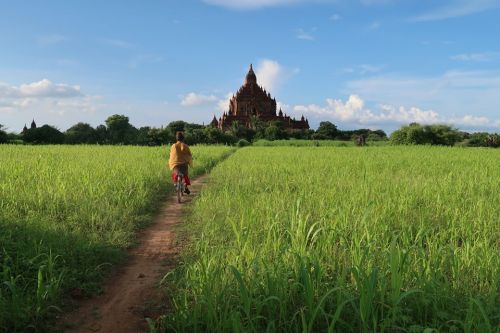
[251, 100]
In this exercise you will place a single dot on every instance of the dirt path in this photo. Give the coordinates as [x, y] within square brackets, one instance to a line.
[122, 307]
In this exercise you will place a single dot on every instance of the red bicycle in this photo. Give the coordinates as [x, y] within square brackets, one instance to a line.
[179, 186]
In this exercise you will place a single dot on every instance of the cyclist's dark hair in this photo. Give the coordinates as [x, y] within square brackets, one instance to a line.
[179, 136]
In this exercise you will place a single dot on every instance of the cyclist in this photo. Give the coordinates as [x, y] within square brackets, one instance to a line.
[180, 158]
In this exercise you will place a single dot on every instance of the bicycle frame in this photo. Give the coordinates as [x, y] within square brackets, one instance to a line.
[179, 186]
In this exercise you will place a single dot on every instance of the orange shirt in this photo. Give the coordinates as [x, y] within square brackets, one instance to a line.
[180, 154]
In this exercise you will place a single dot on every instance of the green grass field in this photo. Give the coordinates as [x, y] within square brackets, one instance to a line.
[315, 143]
[283, 239]
[375, 239]
[67, 213]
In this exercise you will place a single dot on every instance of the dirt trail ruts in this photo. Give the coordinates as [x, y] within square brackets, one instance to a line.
[121, 307]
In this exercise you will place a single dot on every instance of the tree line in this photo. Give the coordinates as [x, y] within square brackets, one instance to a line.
[444, 135]
[117, 130]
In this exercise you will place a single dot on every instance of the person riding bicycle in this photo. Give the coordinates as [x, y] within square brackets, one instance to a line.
[180, 158]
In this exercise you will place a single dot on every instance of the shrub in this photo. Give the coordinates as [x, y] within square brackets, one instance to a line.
[3, 135]
[429, 134]
[242, 143]
[483, 139]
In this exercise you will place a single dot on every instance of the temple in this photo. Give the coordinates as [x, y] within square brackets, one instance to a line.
[252, 102]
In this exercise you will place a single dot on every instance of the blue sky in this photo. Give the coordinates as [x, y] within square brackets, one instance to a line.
[365, 63]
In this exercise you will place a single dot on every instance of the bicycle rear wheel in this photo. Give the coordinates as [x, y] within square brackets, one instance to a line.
[179, 189]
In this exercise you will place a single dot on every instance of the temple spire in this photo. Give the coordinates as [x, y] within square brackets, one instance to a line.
[251, 77]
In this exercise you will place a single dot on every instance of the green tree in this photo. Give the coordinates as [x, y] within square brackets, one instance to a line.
[43, 135]
[217, 136]
[273, 132]
[142, 138]
[429, 134]
[3, 135]
[101, 133]
[177, 126]
[484, 139]
[195, 136]
[120, 131]
[327, 130]
[81, 133]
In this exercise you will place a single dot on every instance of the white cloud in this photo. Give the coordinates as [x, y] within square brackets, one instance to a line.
[41, 89]
[305, 35]
[44, 99]
[469, 120]
[487, 56]
[354, 111]
[454, 92]
[457, 8]
[283, 106]
[223, 104]
[194, 99]
[271, 74]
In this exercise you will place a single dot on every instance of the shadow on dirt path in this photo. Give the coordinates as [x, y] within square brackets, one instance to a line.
[123, 306]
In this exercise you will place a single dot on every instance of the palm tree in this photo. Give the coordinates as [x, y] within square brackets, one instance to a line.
[235, 127]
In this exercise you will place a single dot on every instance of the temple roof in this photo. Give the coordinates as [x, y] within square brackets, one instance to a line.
[251, 77]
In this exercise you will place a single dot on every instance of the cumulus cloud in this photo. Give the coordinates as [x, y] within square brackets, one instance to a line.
[42, 89]
[271, 74]
[469, 120]
[454, 92]
[283, 107]
[194, 99]
[45, 99]
[223, 104]
[354, 111]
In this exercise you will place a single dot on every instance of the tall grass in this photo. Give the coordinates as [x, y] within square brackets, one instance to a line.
[388, 239]
[314, 143]
[66, 214]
